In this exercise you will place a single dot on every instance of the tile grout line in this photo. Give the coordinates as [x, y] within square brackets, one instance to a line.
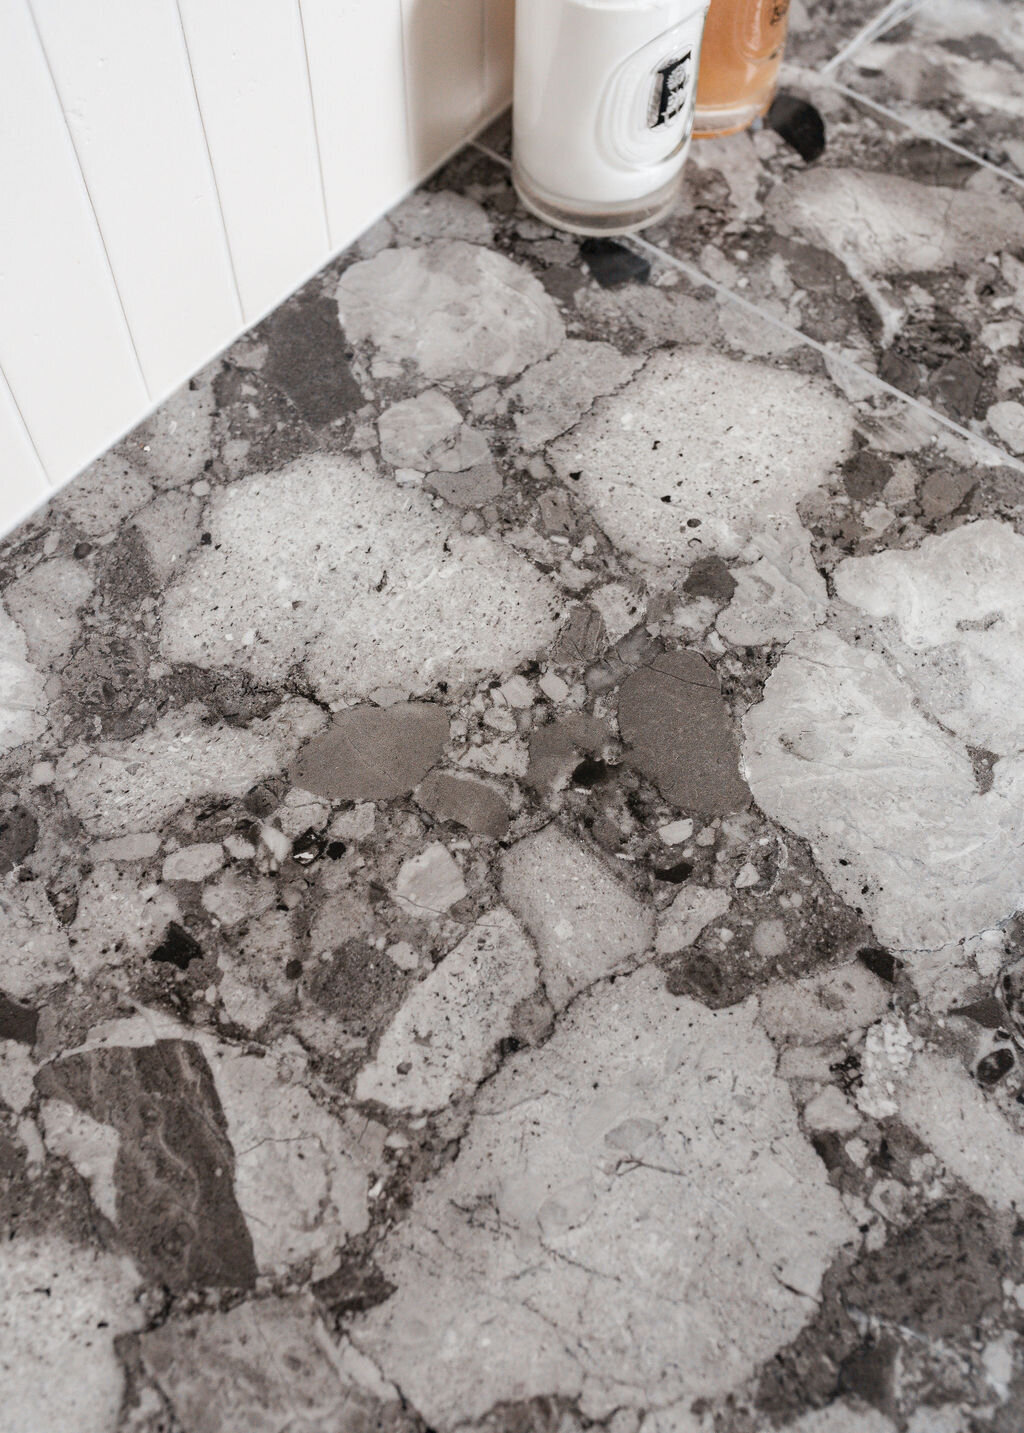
[316, 124]
[887, 19]
[920, 129]
[696, 276]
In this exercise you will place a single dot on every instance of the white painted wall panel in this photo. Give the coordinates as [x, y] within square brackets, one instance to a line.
[64, 344]
[499, 50]
[23, 484]
[356, 61]
[122, 72]
[170, 169]
[444, 64]
[249, 65]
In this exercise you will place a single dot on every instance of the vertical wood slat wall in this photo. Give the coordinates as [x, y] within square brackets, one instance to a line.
[170, 170]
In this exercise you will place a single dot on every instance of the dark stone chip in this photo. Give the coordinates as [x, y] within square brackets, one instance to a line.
[293, 969]
[309, 361]
[612, 264]
[307, 848]
[710, 577]
[799, 124]
[994, 1067]
[589, 772]
[17, 1022]
[82, 549]
[869, 1373]
[18, 832]
[177, 948]
[988, 1013]
[881, 963]
[336, 849]
[676, 874]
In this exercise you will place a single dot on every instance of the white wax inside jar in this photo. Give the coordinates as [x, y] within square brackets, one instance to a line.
[604, 94]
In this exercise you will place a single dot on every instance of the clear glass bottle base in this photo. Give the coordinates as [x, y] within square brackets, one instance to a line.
[711, 123]
[599, 220]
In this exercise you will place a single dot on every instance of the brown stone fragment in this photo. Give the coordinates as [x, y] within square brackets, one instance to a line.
[679, 734]
[555, 749]
[465, 801]
[370, 753]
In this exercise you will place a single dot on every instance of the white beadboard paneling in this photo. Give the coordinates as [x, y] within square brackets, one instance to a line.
[444, 62]
[23, 483]
[122, 72]
[249, 65]
[499, 54]
[356, 64]
[64, 344]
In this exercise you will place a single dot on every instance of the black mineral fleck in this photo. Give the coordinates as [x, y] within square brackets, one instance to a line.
[799, 124]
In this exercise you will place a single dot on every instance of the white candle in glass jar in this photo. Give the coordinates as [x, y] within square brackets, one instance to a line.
[604, 101]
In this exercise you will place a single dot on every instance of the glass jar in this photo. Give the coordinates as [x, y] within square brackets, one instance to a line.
[603, 114]
[740, 59]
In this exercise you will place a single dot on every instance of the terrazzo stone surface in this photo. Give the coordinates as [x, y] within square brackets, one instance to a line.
[511, 790]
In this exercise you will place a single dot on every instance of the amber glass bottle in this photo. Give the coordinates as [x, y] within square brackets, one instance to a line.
[739, 63]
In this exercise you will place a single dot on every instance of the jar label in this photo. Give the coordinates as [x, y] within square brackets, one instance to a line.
[761, 28]
[671, 90]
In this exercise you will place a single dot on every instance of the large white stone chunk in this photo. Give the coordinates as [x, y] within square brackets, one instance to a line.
[442, 1041]
[731, 444]
[455, 309]
[22, 699]
[135, 785]
[779, 591]
[62, 1308]
[637, 1218]
[838, 752]
[34, 950]
[362, 582]
[586, 924]
[890, 225]
[952, 614]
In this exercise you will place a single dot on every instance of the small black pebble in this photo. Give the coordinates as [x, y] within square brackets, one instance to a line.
[589, 772]
[799, 124]
[178, 948]
[83, 549]
[994, 1066]
[676, 874]
[206, 539]
[307, 848]
[880, 963]
[293, 969]
[336, 849]
[612, 264]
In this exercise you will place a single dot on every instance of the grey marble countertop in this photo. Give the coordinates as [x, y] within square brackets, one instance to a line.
[511, 795]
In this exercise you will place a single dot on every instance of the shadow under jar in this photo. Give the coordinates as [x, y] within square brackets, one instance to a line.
[739, 66]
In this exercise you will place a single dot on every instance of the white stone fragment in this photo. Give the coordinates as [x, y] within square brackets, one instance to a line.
[676, 832]
[63, 1306]
[124, 786]
[299, 1177]
[23, 701]
[169, 527]
[619, 609]
[886, 1058]
[46, 604]
[647, 1149]
[517, 692]
[731, 443]
[173, 446]
[553, 395]
[420, 603]
[440, 214]
[194, 863]
[403, 955]
[748, 875]
[843, 1417]
[454, 309]
[429, 883]
[90, 1147]
[831, 1110]
[17, 1075]
[884, 224]
[839, 752]
[412, 429]
[34, 950]
[442, 1041]
[694, 908]
[779, 594]
[585, 923]
[948, 1112]
[951, 614]
[117, 918]
[820, 1007]
[354, 825]
[553, 687]
[1007, 423]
